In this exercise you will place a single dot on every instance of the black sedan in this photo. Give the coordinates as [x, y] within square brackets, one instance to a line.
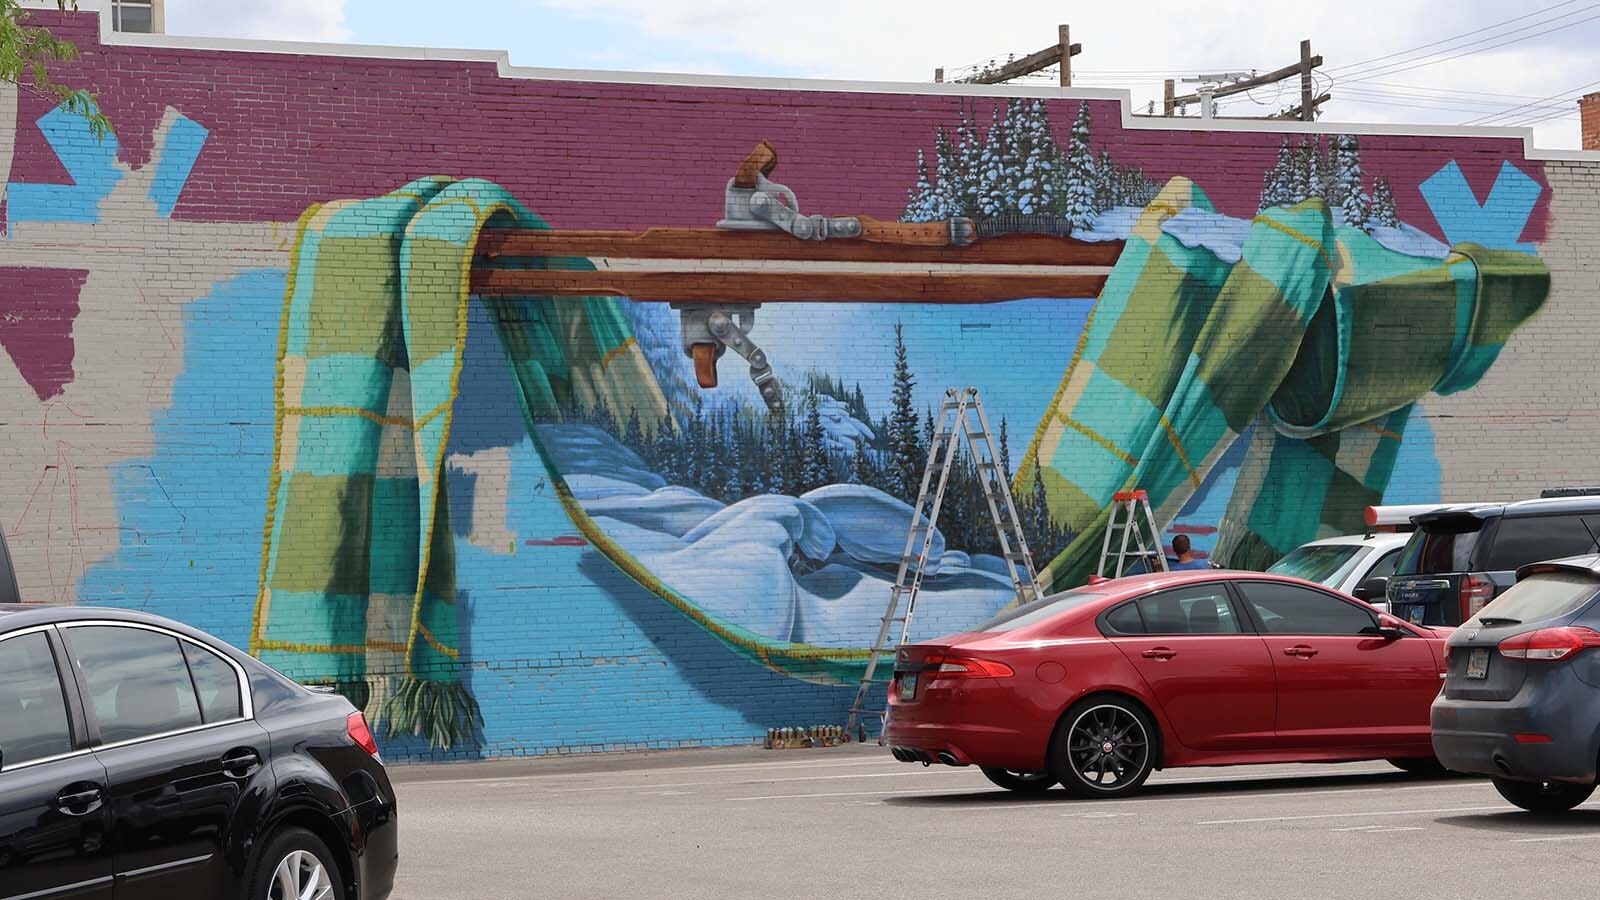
[140, 758]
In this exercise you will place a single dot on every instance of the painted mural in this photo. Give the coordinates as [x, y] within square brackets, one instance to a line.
[512, 497]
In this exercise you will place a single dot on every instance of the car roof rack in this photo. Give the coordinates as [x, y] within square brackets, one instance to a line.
[1574, 491]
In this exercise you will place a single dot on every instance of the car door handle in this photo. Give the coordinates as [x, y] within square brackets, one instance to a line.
[1300, 650]
[81, 802]
[241, 763]
[1159, 653]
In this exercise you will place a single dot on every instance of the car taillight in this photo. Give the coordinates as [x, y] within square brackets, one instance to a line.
[1550, 644]
[950, 666]
[1476, 592]
[355, 725]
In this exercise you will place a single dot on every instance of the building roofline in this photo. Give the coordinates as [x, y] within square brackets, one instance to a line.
[502, 61]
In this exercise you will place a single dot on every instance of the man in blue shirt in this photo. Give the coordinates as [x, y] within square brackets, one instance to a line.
[1186, 558]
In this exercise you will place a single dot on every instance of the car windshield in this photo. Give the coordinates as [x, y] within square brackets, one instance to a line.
[1038, 611]
[1542, 596]
[1324, 563]
[1440, 547]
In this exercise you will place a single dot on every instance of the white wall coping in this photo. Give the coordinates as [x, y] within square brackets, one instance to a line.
[502, 61]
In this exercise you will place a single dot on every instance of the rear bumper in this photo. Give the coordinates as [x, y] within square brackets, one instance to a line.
[965, 745]
[1478, 737]
[963, 727]
[378, 850]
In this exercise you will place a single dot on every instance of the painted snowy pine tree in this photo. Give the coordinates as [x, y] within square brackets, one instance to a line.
[1078, 205]
[944, 202]
[1038, 151]
[1275, 187]
[994, 188]
[920, 197]
[1383, 206]
[1350, 195]
[969, 152]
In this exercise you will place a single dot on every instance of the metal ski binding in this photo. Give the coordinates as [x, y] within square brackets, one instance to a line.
[752, 202]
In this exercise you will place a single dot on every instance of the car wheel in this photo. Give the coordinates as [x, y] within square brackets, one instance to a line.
[1544, 797]
[1104, 747]
[1021, 782]
[1421, 765]
[296, 865]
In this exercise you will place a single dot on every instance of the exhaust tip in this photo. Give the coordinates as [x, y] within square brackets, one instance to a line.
[1501, 764]
[901, 754]
[948, 758]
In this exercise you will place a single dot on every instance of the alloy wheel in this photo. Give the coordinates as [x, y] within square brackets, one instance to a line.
[1108, 748]
[300, 876]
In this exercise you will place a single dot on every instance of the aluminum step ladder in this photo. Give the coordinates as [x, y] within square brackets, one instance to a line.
[1132, 516]
[961, 419]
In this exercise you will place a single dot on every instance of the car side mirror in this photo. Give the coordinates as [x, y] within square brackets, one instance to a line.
[1390, 628]
[1372, 587]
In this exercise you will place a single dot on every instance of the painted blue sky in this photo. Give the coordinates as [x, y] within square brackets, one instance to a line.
[1473, 61]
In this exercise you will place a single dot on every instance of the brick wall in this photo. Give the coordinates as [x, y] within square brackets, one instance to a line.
[1589, 120]
[630, 560]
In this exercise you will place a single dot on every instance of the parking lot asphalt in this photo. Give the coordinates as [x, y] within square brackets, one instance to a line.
[853, 822]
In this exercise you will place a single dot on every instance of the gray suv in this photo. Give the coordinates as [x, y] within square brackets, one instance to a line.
[1521, 697]
[1462, 557]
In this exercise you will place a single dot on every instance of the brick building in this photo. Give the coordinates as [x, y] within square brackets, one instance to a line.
[269, 371]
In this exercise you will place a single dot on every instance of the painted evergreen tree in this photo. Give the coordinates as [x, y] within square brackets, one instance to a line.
[905, 444]
[1312, 184]
[1278, 188]
[1352, 197]
[1005, 450]
[633, 437]
[1383, 205]
[1079, 202]
[920, 197]
[1105, 182]
[1036, 190]
[858, 406]
[969, 170]
[945, 201]
[816, 469]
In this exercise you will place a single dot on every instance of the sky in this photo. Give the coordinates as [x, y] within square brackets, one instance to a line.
[1502, 62]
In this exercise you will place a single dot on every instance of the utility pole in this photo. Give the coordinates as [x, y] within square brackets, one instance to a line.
[1308, 110]
[1305, 110]
[1060, 53]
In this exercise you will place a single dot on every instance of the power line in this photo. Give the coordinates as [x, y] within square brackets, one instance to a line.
[1510, 112]
[1357, 65]
[1418, 64]
[1460, 104]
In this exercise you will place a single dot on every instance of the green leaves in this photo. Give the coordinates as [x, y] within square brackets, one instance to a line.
[26, 54]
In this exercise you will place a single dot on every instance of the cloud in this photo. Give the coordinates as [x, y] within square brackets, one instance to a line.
[287, 20]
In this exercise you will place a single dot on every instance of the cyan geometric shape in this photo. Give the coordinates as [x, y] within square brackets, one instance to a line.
[1498, 222]
[177, 157]
[92, 163]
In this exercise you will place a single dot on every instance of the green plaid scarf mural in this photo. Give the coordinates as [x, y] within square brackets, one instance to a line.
[1319, 336]
[358, 580]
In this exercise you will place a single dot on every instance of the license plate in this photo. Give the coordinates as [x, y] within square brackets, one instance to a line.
[908, 686]
[1478, 663]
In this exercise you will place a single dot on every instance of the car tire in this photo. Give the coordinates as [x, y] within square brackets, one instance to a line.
[1021, 782]
[1543, 797]
[1099, 737]
[290, 863]
[1419, 765]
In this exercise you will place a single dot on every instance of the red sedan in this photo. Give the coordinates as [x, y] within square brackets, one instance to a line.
[1095, 688]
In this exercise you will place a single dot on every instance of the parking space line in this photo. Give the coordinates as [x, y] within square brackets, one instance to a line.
[1352, 815]
[835, 794]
